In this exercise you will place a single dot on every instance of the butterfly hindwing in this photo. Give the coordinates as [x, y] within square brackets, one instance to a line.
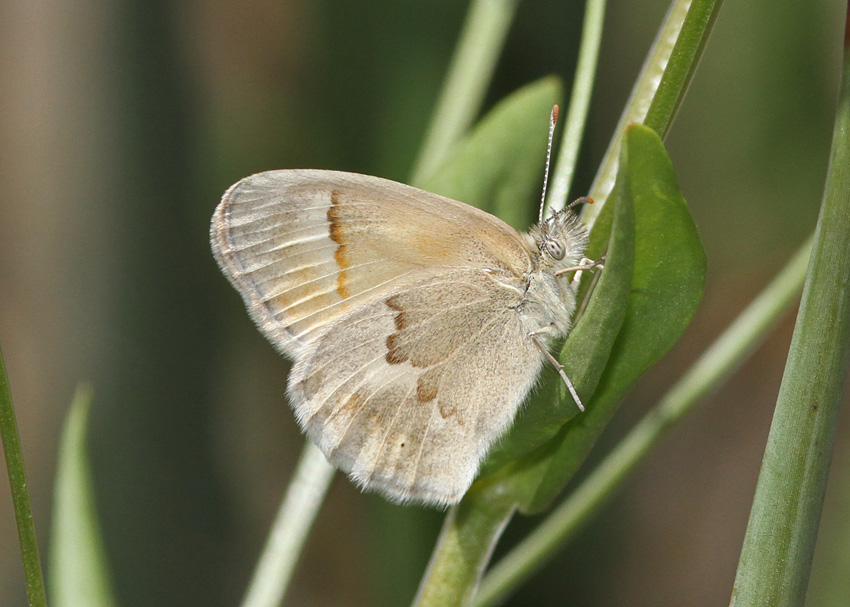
[407, 392]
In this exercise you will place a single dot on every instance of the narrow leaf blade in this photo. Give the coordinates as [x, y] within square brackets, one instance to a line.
[78, 567]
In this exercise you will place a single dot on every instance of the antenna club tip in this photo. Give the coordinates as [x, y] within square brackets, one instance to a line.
[590, 200]
[555, 110]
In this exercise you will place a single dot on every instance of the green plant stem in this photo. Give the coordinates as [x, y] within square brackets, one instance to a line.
[469, 75]
[20, 495]
[779, 544]
[295, 517]
[661, 85]
[588, 57]
[718, 362]
[469, 534]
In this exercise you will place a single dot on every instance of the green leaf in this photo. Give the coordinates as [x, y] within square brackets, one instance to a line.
[498, 166]
[669, 275]
[78, 568]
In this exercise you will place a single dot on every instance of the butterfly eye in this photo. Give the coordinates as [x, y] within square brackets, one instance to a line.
[555, 248]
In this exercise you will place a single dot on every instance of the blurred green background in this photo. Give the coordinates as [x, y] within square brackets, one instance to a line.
[122, 122]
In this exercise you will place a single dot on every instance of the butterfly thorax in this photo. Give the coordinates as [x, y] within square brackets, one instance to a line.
[549, 300]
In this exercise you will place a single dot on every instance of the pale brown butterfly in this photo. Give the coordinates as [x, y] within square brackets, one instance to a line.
[417, 324]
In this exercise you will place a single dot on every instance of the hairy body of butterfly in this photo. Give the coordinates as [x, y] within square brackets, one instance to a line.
[417, 324]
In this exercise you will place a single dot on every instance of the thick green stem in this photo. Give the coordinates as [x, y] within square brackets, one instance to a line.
[20, 495]
[469, 534]
[779, 544]
[297, 512]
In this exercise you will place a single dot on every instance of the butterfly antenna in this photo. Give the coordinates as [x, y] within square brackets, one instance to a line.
[553, 120]
[578, 201]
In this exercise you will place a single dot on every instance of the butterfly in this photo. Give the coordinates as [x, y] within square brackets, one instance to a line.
[417, 324]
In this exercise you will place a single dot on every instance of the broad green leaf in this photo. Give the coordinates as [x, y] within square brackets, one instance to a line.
[498, 166]
[78, 569]
[669, 274]
[587, 349]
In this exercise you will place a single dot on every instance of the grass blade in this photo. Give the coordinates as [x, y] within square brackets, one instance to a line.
[78, 567]
[20, 495]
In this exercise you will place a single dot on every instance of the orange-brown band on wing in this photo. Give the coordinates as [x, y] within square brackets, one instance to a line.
[336, 233]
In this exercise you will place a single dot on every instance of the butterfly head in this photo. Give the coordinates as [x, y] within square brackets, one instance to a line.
[560, 240]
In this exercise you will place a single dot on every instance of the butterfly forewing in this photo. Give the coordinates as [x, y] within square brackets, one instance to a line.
[305, 247]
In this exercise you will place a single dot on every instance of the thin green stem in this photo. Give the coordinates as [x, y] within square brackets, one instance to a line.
[588, 57]
[294, 519]
[776, 557]
[469, 75]
[718, 363]
[661, 85]
[20, 495]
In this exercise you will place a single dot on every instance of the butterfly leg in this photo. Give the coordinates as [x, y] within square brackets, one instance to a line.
[558, 367]
[583, 264]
